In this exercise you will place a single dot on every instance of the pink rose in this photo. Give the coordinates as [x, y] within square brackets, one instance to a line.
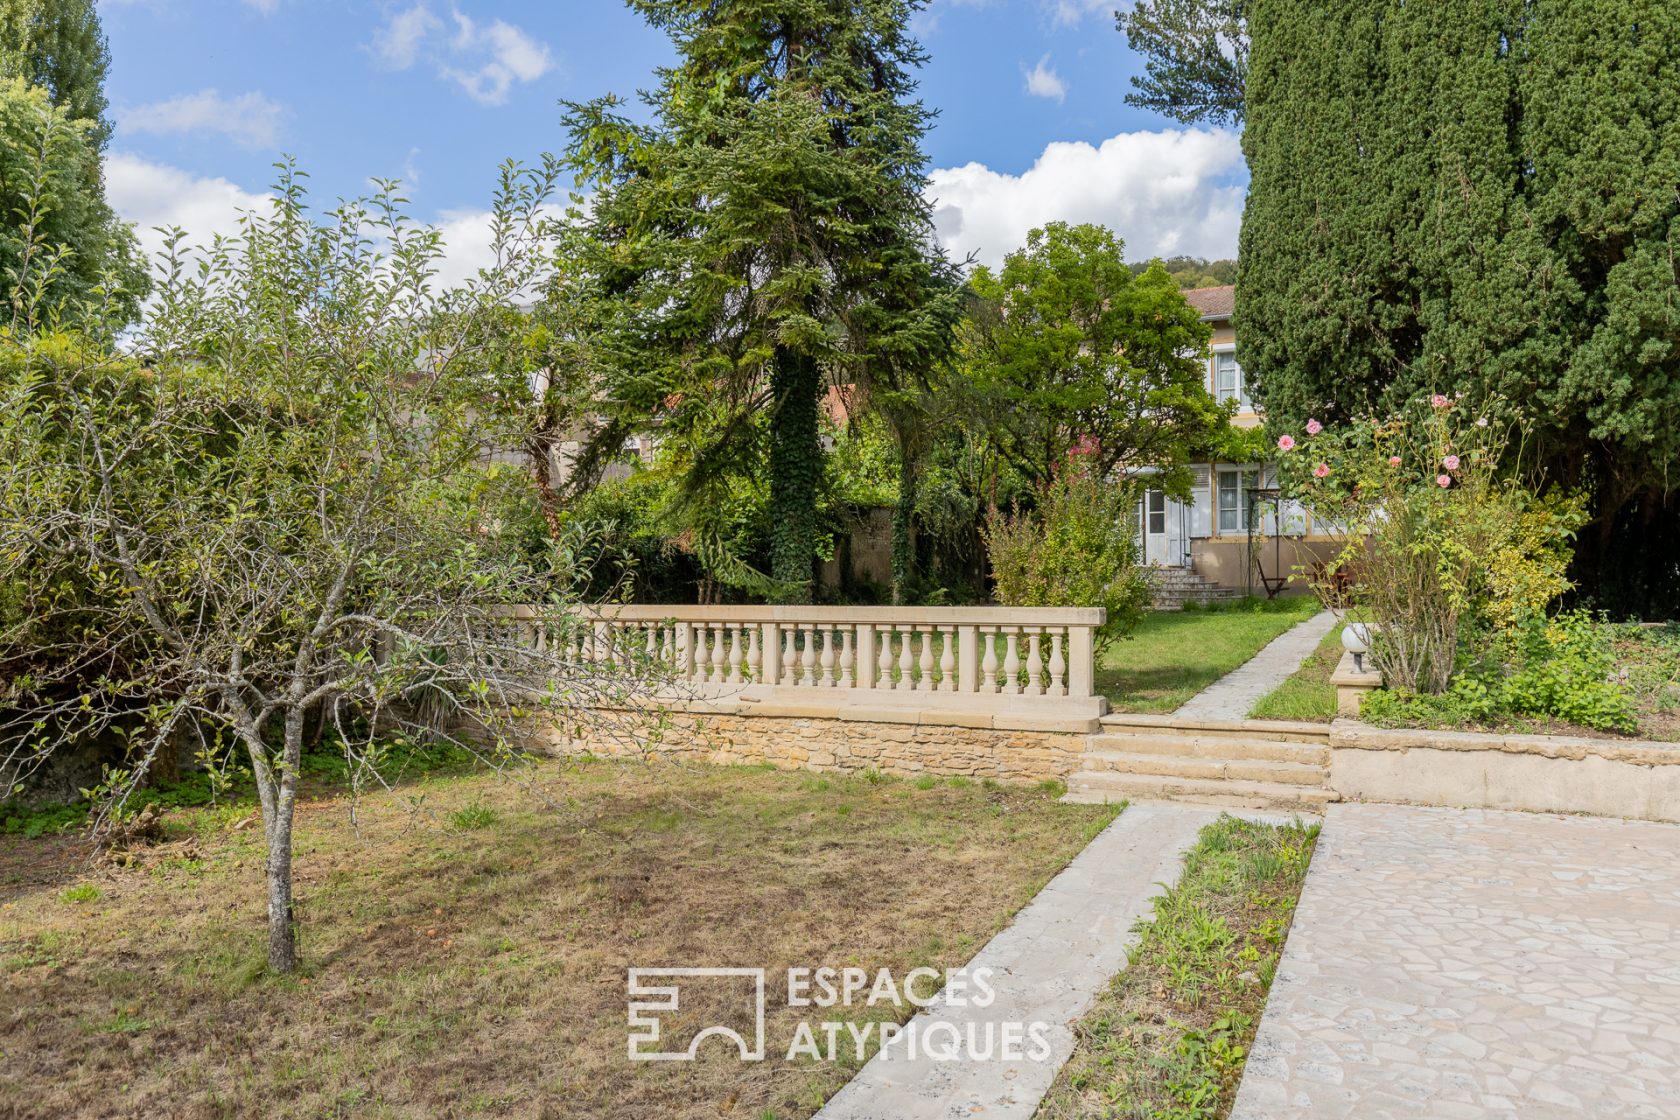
[1321, 471]
[1314, 427]
[1286, 443]
[1394, 460]
[1450, 462]
[1443, 480]
[1439, 401]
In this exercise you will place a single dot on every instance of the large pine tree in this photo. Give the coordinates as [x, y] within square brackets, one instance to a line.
[764, 237]
[1480, 197]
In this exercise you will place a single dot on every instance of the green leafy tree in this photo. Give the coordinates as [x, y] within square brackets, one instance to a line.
[1066, 347]
[1197, 57]
[61, 243]
[59, 46]
[285, 512]
[764, 237]
[1479, 197]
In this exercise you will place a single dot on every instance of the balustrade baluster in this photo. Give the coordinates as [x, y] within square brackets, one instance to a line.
[718, 672]
[947, 662]
[808, 656]
[885, 635]
[924, 683]
[734, 655]
[846, 658]
[790, 655]
[1012, 665]
[989, 664]
[1058, 665]
[828, 658]
[755, 656]
[1035, 666]
[906, 661]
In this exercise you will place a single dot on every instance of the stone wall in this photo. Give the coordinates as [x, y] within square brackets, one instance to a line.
[833, 742]
[1533, 773]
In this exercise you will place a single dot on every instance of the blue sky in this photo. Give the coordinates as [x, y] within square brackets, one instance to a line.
[1032, 126]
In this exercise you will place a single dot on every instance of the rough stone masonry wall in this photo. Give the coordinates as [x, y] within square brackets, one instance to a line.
[811, 743]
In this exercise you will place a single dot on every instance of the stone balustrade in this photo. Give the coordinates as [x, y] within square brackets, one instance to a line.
[973, 659]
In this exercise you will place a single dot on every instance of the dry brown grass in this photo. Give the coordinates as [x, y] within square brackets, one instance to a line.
[481, 971]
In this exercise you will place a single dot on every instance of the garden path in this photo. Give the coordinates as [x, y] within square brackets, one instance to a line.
[1047, 966]
[1231, 696]
[1470, 964]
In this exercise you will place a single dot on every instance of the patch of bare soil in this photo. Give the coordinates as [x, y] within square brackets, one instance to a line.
[462, 969]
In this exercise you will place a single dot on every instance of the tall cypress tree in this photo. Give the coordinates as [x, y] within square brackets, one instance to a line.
[1479, 197]
[765, 235]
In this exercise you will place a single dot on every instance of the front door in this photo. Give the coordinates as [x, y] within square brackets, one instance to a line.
[1157, 549]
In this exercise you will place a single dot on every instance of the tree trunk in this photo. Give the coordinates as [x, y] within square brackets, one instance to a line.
[279, 805]
[539, 448]
[903, 544]
[795, 472]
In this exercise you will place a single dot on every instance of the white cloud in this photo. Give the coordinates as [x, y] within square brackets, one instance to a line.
[154, 194]
[249, 120]
[484, 59]
[1164, 192]
[397, 44]
[1071, 13]
[1042, 81]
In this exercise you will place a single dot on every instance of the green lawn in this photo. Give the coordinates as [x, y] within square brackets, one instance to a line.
[1307, 694]
[1169, 1037]
[1175, 654]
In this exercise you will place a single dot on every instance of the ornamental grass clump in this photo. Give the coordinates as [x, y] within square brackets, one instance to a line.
[1432, 535]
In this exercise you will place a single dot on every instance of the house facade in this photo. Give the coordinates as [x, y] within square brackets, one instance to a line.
[1234, 533]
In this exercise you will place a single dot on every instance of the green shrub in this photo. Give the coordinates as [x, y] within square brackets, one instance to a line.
[1561, 668]
[1075, 550]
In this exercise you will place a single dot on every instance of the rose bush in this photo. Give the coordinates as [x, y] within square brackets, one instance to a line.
[1432, 534]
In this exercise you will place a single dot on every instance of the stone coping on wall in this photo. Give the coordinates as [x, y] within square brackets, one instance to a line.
[1535, 773]
[1351, 734]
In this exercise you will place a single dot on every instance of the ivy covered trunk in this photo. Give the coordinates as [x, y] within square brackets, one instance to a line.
[795, 473]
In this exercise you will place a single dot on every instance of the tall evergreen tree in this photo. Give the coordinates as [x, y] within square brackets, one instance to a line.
[1196, 56]
[764, 237]
[1478, 197]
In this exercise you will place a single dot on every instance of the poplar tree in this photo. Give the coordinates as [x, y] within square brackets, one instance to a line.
[60, 46]
[763, 237]
[1479, 197]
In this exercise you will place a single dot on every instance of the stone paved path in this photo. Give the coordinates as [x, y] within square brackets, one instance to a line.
[1231, 696]
[1047, 966]
[1465, 964]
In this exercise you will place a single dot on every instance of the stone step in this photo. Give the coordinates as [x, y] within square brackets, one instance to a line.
[1193, 766]
[1229, 748]
[1095, 787]
[1249, 730]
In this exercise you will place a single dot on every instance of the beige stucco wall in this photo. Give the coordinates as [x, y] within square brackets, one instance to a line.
[795, 743]
[1224, 560]
[1532, 773]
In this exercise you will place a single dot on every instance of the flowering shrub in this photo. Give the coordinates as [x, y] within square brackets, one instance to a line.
[1076, 549]
[1430, 534]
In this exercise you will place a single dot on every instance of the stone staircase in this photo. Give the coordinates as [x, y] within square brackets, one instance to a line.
[1242, 764]
[1174, 587]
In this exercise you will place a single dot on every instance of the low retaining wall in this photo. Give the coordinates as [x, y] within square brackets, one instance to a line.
[1532, 773]
[894, 742]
